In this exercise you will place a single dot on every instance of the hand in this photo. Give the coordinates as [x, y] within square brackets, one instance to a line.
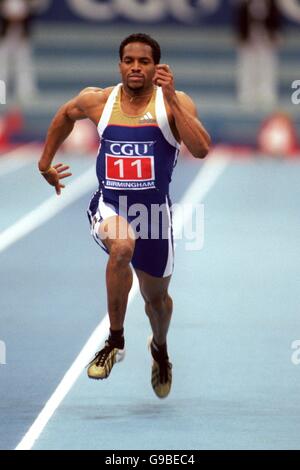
[164, 77]
[55, 174]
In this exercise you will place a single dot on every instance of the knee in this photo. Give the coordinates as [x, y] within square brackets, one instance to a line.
[160, 303]
[121, 254]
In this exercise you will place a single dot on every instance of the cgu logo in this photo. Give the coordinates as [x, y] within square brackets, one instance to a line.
[130, 148]
[137, 10]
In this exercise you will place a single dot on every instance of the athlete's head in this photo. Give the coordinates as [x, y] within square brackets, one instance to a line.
[139, 54]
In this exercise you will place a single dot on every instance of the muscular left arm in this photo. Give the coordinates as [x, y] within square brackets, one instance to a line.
[183, 109]
[189, 128]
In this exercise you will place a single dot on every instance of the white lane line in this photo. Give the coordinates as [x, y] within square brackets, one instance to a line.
[49, 208]
[16, 159]
[204, 181]
[9, 166]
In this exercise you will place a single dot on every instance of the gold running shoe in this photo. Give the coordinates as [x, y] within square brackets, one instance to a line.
[161, 373]
[101, 366]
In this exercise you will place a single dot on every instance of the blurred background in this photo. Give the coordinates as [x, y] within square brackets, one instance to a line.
[238, 60]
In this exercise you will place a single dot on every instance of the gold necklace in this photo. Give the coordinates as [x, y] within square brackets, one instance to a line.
[131, 98]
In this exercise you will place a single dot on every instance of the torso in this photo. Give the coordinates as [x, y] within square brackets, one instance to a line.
[138, 149]
[131, 109]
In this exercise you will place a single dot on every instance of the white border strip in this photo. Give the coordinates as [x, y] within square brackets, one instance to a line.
[204, 181]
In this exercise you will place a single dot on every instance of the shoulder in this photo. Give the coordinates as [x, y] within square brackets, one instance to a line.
[89, 103]
[93, 96]
[186, 101]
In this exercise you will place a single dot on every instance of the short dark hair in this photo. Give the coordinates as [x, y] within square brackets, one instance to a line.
[146, 39]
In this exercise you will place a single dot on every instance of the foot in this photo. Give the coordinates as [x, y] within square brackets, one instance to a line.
[161, 374]
[101, 366]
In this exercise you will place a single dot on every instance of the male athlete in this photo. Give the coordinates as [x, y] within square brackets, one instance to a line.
[141, 123]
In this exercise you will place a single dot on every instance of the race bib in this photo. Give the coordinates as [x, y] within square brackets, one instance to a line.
[129, 165]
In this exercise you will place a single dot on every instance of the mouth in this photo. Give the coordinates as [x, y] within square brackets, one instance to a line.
[135, 77]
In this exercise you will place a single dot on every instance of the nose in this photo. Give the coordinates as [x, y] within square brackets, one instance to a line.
[135, 67]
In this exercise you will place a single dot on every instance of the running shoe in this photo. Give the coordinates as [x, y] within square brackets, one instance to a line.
[102, 364]
[161, 372]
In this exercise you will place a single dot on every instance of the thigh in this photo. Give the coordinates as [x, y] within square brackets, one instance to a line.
[107, 225]
[152, 287]
[116, 231]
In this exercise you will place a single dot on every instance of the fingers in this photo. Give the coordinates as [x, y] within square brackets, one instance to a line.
[164, 70]
[58, 188]
[163, 67]
[57, 175]
[65, 175]
[162, 80]
[57, 166]
[60, 167]
[163, 75]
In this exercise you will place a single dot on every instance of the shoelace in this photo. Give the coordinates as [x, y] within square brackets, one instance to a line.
[103, 353]
[164, 367]
[162, 358]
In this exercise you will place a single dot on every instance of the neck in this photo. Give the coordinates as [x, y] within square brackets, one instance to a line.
[134, 96]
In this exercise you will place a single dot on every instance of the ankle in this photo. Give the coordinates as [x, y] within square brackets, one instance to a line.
[116, 338]
[159, 350]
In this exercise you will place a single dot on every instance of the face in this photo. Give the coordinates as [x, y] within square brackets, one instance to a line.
[137, 67]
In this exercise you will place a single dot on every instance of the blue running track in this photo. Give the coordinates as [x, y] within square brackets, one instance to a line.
[236, 315]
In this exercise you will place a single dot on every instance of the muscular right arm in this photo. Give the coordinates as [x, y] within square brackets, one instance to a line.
[81, 107]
